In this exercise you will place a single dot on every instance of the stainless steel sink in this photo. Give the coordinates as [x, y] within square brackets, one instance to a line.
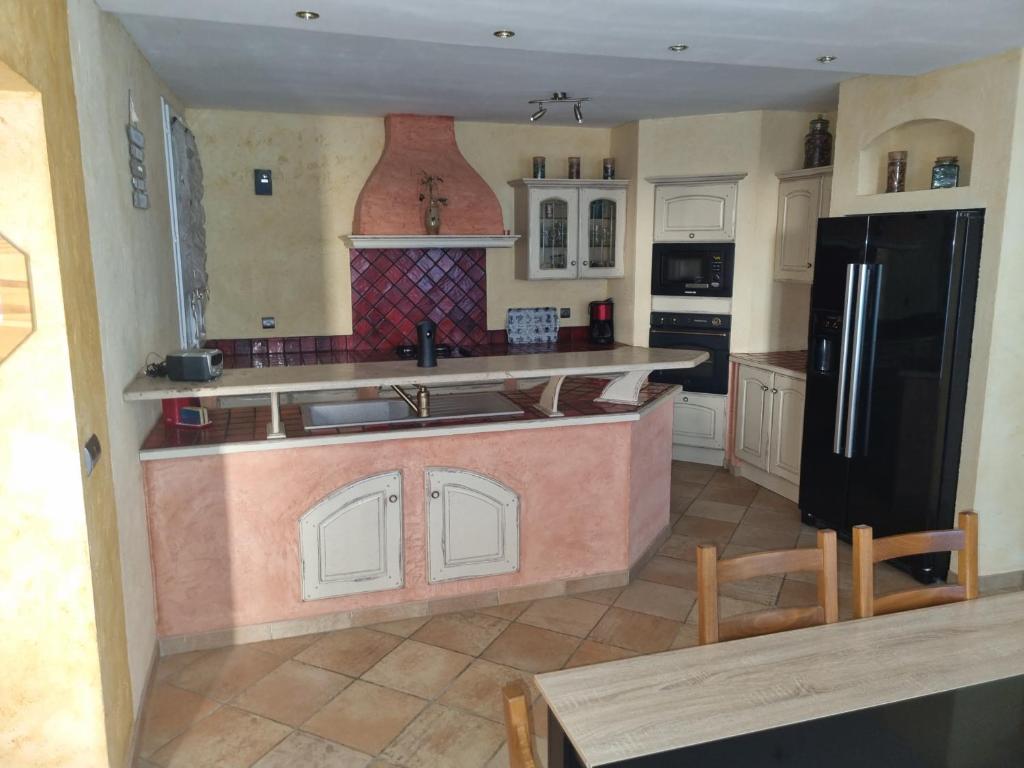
[359, 413]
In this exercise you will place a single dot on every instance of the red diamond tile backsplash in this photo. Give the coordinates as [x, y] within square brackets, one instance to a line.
[394, 289]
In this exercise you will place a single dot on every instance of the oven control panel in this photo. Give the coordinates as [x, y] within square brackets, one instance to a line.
[669, 321]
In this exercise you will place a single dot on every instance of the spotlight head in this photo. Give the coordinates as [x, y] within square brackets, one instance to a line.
[577, 111]
[541, 111]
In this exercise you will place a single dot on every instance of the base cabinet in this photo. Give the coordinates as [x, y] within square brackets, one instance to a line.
[472, 524]
[769, 421]
[351, 542]
[699, 420]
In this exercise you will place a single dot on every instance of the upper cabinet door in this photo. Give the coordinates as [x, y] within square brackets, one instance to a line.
[787, 427]
[351, 541]
[602, 236]
[554, 232]
[473, 525]
[697, 212]
[797, 228]
[753, 415]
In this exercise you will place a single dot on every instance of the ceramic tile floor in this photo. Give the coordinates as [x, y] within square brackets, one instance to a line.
[424, 693]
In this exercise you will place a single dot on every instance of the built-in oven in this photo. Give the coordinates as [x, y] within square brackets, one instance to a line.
[702, 332]
[692, 269]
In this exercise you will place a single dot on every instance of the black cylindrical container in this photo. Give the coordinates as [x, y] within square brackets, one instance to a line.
[427, 330]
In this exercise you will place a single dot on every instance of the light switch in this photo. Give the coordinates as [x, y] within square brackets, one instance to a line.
[91, 454]
[264, 183]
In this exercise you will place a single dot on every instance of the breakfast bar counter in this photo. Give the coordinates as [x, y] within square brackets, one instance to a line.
[936, 686]
[255, 538]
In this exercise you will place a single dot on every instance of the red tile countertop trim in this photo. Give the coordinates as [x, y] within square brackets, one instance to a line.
[241, 425]
[789, 360]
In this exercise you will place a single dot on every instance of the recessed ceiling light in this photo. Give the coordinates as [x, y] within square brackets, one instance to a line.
[504, 34]
[308, 15]
[678, 48]
[826, 59]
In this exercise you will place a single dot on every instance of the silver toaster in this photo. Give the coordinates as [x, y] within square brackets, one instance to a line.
[194, 364]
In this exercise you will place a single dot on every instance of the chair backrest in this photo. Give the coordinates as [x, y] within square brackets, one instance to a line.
[711, 572]
[517, 726]
[867, 551]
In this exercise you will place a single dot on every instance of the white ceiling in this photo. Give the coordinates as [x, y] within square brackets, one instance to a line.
[371, 57]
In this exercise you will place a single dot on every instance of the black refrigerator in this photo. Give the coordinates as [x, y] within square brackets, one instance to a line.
[889, 346]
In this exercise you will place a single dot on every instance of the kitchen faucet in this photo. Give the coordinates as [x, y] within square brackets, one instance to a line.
[422, 402]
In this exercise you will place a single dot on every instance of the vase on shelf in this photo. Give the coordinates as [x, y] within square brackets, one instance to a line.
[818, 144]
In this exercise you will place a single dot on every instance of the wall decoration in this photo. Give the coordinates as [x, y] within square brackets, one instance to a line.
[15, 299]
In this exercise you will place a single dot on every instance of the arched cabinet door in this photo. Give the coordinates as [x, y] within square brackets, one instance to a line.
[351, 541]
[473, 525]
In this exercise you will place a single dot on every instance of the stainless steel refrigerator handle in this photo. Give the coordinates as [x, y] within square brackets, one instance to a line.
[857, 359]
[844, 359]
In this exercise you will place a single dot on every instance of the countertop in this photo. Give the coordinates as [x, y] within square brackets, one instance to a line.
[310, 378]
[627, 709]
[790, 362]
[244, 429]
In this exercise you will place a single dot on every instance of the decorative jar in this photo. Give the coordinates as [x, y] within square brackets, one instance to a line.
[945, 172]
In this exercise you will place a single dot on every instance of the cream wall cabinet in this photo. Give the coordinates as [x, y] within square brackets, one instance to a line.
[351, 542]
[804, 197]
[769, 421]
[698, 212]
[472, 523]
[571, 228]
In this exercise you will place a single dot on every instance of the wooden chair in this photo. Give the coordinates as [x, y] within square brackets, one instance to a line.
[867, 551]
[517, 726]
[711, 572]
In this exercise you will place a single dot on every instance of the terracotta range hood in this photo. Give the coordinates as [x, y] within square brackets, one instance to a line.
[389, 213]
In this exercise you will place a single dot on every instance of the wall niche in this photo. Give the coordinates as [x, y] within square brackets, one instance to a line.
[923, 140]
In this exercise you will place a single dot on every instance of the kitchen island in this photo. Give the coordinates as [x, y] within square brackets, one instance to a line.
[254, 539]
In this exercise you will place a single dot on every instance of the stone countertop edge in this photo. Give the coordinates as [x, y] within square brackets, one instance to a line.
[316, 441]
[252, 381]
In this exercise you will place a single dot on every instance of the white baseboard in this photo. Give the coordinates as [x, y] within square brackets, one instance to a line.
[771, 482]
[712, 456]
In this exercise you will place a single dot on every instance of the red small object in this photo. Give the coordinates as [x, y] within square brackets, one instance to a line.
[173, 406]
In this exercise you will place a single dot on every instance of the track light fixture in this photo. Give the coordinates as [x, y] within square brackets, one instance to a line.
[559, 97]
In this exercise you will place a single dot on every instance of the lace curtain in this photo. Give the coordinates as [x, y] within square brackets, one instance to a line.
[188, 193]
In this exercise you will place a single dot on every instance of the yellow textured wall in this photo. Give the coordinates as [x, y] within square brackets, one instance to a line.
[67, 698]
[766, 315]
[282, 256]
[133, 263]
[983, 96]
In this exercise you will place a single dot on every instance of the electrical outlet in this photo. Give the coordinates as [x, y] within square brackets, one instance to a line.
[565, 312]
[268, 323]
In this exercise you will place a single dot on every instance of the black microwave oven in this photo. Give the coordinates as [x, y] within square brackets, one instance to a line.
[692, 269]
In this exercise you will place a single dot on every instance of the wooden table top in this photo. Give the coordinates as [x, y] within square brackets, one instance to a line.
[628, 709]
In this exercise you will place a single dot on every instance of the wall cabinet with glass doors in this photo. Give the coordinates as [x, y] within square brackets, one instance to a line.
[570, 228]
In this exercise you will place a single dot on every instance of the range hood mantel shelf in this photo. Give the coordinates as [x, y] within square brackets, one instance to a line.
[429, 241]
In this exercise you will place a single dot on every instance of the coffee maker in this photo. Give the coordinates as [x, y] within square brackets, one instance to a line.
[601, 329]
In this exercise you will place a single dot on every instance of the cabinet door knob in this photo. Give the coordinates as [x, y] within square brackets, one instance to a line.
[435, 494]
[692, 235]
[810, 264]
[686, 399]
[572, 263]
[775, 391]
[585, 263]
[764, 388]
[392, 498]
